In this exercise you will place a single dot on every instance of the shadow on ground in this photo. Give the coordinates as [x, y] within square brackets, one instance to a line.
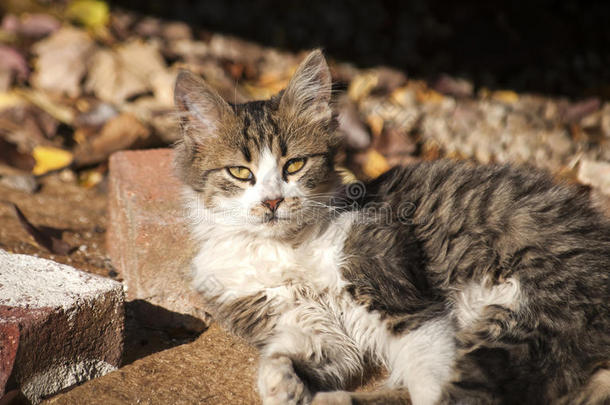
[150, 329]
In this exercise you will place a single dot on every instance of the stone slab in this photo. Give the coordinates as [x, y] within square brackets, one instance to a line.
[58, 326]
[148, 240]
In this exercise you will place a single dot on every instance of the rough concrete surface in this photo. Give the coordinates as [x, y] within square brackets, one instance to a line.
[217, 368]
[58, 326]
[147, 239]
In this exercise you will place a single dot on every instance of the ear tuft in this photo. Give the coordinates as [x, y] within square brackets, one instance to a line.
[309, 90]
[201, 108]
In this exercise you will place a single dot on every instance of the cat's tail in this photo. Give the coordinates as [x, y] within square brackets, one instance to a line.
[595, 392]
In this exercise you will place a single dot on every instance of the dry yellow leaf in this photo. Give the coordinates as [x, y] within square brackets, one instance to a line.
[362, 85]
[44, 102]
[90, 178]
[265, 89]
[90, 13]
[402, 95]
[375, 164]
[49, 158]
[506, 96]
[375, 122]
[428, 96]
[9, 99]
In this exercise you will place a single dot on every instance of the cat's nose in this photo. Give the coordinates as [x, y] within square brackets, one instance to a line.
[272, 204]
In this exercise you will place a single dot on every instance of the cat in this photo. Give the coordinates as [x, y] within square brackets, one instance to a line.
[469, 284]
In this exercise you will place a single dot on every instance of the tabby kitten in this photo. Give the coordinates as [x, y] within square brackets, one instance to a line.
[471, 285]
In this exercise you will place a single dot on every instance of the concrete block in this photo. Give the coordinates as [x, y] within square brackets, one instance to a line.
[58, 326]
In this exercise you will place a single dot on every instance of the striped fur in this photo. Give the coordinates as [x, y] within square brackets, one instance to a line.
[471, 285]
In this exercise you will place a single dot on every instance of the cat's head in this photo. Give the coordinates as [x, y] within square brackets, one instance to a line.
[265, 165]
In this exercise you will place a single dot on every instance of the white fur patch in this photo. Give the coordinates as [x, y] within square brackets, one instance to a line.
[471, 300]
[233, 262]
[420, 360]
[241, 263]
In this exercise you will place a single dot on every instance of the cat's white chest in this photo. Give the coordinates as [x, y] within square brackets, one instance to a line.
[233, 265]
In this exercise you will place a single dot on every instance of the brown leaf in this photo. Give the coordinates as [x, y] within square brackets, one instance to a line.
[127, 71]
[576, 111]
[13, 157]
[43, 235]
[38, 25]
[12, 60]
[121, 132]
[356, 135]
[60, 65]
[453, 86]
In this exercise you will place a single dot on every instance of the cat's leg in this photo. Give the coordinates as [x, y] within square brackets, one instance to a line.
[278, 382]
[382, 397]
[307, 352]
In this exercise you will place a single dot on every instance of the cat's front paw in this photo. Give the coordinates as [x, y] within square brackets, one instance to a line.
[279, 384]
[332, 398]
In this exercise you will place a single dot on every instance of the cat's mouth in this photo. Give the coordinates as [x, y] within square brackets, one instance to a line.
[272, 219]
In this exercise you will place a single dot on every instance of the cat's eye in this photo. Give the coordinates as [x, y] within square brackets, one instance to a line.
[240, 173]
[294, 165]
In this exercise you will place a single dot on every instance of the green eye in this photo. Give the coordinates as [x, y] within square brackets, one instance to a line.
[240, 173]
[294, 165]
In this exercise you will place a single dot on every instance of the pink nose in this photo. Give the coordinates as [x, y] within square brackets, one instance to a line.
[272, 204]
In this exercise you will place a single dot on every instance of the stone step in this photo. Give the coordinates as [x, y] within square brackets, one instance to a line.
[58, 326]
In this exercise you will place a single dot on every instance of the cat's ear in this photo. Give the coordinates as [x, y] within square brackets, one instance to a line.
[309, 90]
[200, 107]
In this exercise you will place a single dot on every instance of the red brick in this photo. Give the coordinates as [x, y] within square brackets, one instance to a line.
[58, 326]
[148, 240]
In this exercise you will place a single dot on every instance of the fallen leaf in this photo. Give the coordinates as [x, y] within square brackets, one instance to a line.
[90, 13]
[10, 99]
[121, 132]
[21, 125]
[356, 135]
[38, 25]
[60, 63]
[505, 96]
[42, 236]
[581, 109]
[173, 31]
[12, 60]
[375, 164]
[158, 116]
[393, 141]
[90, 178]
[454, 86]
[234, 49]
[404, 96]
[49, 158]
[425, 95]
[375, 122]
[362, 85]
[96, 116]
[44, 102]
[10, 154]
[595, 174]
[128, 71]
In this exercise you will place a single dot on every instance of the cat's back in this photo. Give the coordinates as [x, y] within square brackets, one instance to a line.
[523, 204]
[465, 223]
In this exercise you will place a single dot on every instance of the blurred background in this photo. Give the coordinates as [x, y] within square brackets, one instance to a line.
[488, 82]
